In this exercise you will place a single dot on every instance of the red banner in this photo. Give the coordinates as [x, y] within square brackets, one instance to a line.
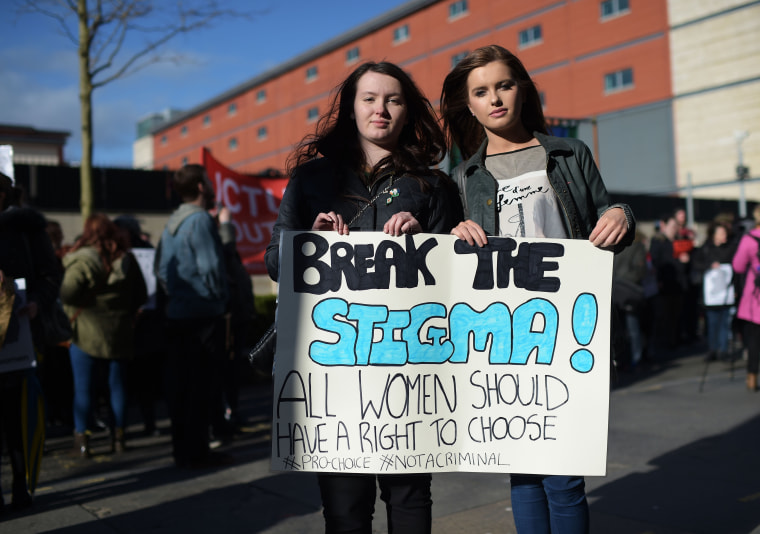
[253, 202]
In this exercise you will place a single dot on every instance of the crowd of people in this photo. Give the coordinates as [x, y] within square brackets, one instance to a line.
[111, 339]
[371, 165]
[675, 289]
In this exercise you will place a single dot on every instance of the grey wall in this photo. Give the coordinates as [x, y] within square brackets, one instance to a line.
[636, 148]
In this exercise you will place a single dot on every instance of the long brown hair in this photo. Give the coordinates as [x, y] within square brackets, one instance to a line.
[104, 236]
[420, 145]
[462, 129]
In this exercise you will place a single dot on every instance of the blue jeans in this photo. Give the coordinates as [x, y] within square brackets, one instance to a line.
[82, 366]
[718, 319]
[549, 504]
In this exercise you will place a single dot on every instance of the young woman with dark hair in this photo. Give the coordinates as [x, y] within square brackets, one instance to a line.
[368, 168]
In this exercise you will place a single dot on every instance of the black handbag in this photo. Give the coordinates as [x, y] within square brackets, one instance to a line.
[56, 326]
[262, 354]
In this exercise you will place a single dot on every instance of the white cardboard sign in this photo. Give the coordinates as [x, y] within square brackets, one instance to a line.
[423, 354]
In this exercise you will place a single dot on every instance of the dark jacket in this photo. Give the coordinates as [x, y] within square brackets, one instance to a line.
[320, 186]
[102, 304]
[572, 174]
[672, 274]
[241, 305]
[26, 252]
[709, 253]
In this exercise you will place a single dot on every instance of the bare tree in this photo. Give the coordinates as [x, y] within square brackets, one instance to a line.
[100, 28]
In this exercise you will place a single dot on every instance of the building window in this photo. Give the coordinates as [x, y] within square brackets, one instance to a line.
[401, 34]
[530, 37]
[542, 98]
[352, 54]
[164, 140]
[184, 161]
[311, 73]
[183, 131]
[312, 114]
[261, 134]
[613, 8]
[456, 58]
[618, 81]
[261, 96]
[232, 144]
[206, 121]
[232, 109]
[457, 9]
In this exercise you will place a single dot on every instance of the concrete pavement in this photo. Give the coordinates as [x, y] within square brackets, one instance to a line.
[683, 458]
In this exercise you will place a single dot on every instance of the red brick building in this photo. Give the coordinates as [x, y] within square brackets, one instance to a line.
[590, 58]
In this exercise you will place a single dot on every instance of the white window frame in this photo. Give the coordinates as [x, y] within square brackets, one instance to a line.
[458, 9]
[618, 8]
[618, 81]
[401, 34]
[530, 37]
[352, 55]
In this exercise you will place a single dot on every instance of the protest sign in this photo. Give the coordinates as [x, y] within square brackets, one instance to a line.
[718, 286]
[18, 350]
[145, 258]
[6, 162]
[422, 353]
[254, 203]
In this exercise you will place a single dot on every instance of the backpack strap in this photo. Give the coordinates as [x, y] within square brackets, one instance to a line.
[749, 268]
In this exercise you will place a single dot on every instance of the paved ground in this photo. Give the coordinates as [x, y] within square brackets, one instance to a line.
[684, 458]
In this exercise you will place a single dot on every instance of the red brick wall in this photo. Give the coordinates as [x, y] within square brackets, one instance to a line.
[569, 65]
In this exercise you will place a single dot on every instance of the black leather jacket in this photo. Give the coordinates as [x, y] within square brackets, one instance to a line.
[320, 186]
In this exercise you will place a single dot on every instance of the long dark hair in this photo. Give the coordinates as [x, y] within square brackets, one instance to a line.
[103, 235]
[421, 143]
[462, 129]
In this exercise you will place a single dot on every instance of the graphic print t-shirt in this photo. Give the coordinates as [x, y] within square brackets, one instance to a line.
[526, 203]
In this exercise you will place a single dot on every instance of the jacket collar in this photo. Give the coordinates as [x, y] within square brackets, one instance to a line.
[550, 143]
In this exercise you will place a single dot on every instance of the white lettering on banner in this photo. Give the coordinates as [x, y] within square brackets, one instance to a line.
[430, 355]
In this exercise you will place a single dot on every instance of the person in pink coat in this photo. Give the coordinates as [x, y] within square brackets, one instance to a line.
[746, 262]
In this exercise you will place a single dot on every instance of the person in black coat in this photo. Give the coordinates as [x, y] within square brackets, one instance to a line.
[25, 252]
[368, 168]
[718, 249]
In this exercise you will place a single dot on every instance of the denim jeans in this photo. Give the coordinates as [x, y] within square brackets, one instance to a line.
[549, 504]
[718, 321]
[82, 367]
[349, 502]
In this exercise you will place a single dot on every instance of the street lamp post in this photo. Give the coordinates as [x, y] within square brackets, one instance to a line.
[740, 136]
